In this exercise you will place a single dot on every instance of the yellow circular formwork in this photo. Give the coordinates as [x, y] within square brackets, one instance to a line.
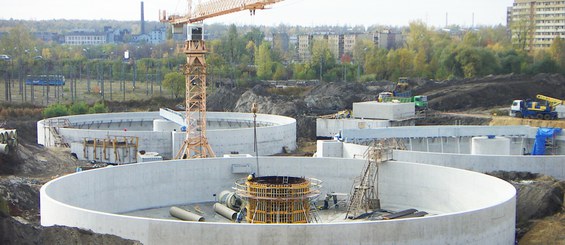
[276, 199]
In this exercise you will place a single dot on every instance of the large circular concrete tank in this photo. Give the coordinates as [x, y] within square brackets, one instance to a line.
[490, 145]
[163, 125]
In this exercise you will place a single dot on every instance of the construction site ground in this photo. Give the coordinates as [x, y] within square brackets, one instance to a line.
[454, 102]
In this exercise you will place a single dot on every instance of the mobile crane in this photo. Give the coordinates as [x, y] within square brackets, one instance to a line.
[196, 143]
[543, 109]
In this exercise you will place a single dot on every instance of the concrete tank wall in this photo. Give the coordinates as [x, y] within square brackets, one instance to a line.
[476, 209]
[331, 127]
[490, 146]
[271, 139]
[356, 135]
[553, 166]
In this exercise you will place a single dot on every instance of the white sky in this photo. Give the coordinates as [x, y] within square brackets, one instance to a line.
[293, 12]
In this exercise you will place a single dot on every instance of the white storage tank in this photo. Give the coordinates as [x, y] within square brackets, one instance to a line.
[163, 125]
[490, 145]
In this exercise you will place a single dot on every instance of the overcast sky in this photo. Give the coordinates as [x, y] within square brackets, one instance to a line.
[294, 12]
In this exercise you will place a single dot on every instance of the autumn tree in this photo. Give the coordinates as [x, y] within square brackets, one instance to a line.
[264, 62]
[557, 51]
[175, 82]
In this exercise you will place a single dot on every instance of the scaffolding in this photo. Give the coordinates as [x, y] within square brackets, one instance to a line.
[364, 193]
[279, 199]
[112, 150]
[51, 134]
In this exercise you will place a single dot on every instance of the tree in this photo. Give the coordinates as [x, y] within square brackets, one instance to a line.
[264, 62]
[400, 63]
[175, 82]
[376, 62]
[557, 51]
[322, 59]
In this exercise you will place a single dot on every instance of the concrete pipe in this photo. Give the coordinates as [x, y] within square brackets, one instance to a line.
[227, 198]
[4, 149]
[225, 211]
[230, 200]
[182, 214]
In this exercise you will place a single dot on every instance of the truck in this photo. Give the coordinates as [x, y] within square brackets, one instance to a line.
[543, 109]
[420, 101]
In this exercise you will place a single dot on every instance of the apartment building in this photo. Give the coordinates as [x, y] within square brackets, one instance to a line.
[388, 39]
[305, 43]
[535, 24]
[338, 44]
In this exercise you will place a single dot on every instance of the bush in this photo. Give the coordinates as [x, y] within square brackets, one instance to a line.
[55, 110]
[78, 108]
[99, 107]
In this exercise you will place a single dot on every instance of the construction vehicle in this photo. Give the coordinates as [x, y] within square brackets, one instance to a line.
[420, 101]
[196, 143]
[399, 89]
[400, 93]
[543, 109]
[553, 102]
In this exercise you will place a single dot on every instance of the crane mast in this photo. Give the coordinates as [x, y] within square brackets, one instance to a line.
[196, 143]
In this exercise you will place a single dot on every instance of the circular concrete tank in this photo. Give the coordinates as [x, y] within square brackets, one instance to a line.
[490, 145]
[227, 132]
[466, 207]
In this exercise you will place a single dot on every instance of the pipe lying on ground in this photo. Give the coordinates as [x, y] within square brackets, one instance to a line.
[182, 214]
[225, 211]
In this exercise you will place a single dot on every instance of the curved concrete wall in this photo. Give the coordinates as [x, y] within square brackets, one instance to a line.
[271, 139]
[553, 166]
[474, 208]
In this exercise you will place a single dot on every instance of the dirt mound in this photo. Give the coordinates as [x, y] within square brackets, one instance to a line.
[13, 231]
[490, 91]
[538, 197]
[503, 121]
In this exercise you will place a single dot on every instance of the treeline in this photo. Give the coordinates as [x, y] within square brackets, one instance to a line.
[439, 55]
[246, 57]
[426, 53]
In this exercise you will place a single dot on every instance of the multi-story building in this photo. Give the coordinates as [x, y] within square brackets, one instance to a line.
[388, 39]
[305, 47]
[335, 44]
[338, 44]
[536, 23]
[156, 36]
[349, 41]
[85, 38]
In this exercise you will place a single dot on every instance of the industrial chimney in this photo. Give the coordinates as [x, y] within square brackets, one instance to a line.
[142, 19]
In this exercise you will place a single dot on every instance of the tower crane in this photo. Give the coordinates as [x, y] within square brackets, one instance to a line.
[196, 143]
